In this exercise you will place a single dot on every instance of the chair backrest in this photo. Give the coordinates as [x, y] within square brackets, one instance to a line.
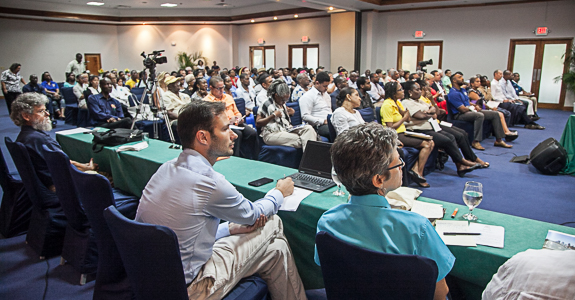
[95, 194]
[39, 194]
[151, 256]
[296, 118]
[332, 132]
[5, 176]
[60, 85]
[68, 94]
[378, 114]
[58, 163]
[138, 93]
[241, 105]
[367, 114]
[351, 272]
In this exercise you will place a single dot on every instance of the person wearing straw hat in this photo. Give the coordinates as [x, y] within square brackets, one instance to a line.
[173, 99]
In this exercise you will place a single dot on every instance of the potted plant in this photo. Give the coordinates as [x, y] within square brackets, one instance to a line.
[190, 60]
[569, 77]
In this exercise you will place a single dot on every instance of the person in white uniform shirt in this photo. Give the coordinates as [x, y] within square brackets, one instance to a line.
[345, 116]
[376, 93]
[187, 195]
[315, 105]
[80, 88]
[265, 80]
[510, 93]
[246, 92]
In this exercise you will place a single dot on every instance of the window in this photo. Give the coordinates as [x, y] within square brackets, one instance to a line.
[263, 57]
[303, 56]
[409, 54]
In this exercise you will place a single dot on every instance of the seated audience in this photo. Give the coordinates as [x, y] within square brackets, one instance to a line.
[134, 76]
[80, 88]
[172, 99]
[229, 88]
[53, 92]
[301, 88]
[246, 144]
[534, 274]
[431, 94]
[462, 109]
[70, 80]
[264, 80]
[515, 107]
[363, 87]
[438, 86]
[143, 76]
[122, 94]
[446, 80]
[216, 256]
[33, 86]
[340, 84]
[93, 89]
[246, 92]
[476, 97]
[106, 111]
[233, 77]
[201, 89]
[190, 80]
[352, 81]
[394, 115]
[345, 116]
[30, 114]
[368, 221]
[510, 93]
[401, 75]
[315, 105]
[524, 95]
[450, 139]
[159, 89]
[376, 92]
[274, 120]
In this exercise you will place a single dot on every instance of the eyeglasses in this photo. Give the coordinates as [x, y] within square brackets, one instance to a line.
[400, 165]
[220, 89]
[44, 111]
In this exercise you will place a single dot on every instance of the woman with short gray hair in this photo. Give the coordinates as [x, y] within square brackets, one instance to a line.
[274, 120]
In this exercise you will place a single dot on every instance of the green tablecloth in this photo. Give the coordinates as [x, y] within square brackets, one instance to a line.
[474, 266]
[568, 142]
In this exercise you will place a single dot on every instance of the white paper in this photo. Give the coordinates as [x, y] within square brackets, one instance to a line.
[442, 226]
[434, 124]
[492, 104]
[135, 147]
[492, 236]
[428, 210]
[296, 127]
[446, 124]
[236, 127]
[291, 202]
[73, 131]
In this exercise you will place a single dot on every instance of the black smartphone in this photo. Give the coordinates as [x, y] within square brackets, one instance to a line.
[261, 181]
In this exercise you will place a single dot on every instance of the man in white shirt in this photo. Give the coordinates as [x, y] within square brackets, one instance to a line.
[315, 104]
[187, 195]
[438, 85]
[79, 90]
[173, 99]
[376, 92]
[265, 80]
[246, 92]
[391, 73]
[534, 274]
[509, 92]
[352, 82]
[400, 73]
[76, 66]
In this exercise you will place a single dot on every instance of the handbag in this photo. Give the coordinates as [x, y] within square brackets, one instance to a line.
[115, 137]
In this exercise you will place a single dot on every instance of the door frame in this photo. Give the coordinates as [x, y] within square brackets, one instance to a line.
[99, 62]
[263, 48]
[539, 47]
[304, 46]
[420, 45]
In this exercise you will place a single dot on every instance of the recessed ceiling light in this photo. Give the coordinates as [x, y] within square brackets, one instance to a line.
[275, 18]
[95, 3]
[252, 20]
[168, 4]
[331, 8]
[295, 16]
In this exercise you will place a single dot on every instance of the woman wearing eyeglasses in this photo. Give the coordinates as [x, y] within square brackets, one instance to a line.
[394, 115]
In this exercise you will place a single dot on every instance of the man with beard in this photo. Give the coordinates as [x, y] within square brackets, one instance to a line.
[187, 195]
[30, 114]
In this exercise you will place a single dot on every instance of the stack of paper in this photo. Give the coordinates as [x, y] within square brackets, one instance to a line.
[443, 226]
[291, 202]
[73, 131]
[492, 236]
[428, 210]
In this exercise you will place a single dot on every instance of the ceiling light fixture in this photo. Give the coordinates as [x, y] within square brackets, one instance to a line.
[168, 4]
[295, 16]
[275, 18]
[94, 3]
[331, 8]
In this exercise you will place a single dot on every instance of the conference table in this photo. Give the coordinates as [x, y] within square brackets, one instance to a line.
[474, 266]
[568, 142]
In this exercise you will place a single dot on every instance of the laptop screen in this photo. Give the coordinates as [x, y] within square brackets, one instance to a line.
[316, 159]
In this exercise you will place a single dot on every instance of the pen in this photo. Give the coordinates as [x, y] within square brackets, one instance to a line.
[461, 233]
[454, 213]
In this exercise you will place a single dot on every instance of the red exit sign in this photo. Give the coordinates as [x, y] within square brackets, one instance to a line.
[419, 34]
[541, 31]
[261, 41]
[305, 39]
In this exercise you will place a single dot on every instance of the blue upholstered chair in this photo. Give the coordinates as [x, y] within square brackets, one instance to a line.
[83, 117]
[352, 272]
[16, 207]
[47, 222]
[367, 114]
[151, 257]
[296, 118]
[137, 92]
[95, 194]
[79, 248]
[241, 105]
[278, 155]
[71, 111]
[332, 131]
[378, 114]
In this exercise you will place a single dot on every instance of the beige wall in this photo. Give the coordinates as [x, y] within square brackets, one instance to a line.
[342, 40]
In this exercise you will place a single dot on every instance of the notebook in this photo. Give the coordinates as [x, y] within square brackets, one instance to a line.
[314, 171]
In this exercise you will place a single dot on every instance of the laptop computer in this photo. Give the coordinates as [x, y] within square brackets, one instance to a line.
[314, 171]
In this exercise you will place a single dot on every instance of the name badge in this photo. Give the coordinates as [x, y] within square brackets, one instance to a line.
[113, 105]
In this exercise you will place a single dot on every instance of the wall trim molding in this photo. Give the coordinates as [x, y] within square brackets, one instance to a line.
[439, 6]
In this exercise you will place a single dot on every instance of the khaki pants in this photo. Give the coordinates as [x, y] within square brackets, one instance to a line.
[265, 251]
[531, 103]
[297, 138]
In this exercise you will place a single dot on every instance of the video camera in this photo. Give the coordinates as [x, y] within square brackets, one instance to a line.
[151, 60]
[422, 64]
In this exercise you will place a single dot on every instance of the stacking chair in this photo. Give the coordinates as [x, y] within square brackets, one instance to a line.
[138, 94]
[79, 249]
[352, 272]
[332, 131]
[16, 207]
[296, 118]
[71, 111]
[95, 194]
[47, 222]
[241, 105]
[151, 256]
[367, 114]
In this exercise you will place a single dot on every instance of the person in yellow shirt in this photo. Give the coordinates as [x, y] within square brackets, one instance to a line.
[134, 79]
[394, 115]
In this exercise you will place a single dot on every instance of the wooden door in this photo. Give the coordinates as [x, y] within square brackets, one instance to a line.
[409, 54]
[539, 62]
[303, 56]
[93, 62]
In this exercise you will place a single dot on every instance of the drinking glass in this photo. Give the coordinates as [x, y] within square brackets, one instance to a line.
[472, 196]
[146, 138]
[339, 192]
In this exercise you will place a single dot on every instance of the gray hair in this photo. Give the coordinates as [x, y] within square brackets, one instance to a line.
[301, 76]
[376, 145]
[391, 72]
[25, 103]
[278, 87]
